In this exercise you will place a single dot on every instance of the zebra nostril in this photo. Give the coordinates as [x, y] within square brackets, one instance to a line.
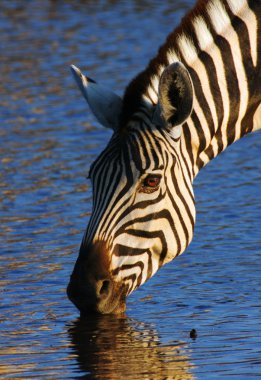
[104, 288]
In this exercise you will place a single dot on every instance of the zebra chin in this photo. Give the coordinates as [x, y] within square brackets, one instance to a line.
[92, 288]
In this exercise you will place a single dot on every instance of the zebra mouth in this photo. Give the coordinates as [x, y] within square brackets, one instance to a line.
[111, 298]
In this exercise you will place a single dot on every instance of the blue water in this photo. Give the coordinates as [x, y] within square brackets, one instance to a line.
[48, 139]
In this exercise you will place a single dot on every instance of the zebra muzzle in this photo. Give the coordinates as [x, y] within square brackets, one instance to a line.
[92, 287]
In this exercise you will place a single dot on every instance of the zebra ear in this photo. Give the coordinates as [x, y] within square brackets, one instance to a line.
[175, 96]
[105, 105]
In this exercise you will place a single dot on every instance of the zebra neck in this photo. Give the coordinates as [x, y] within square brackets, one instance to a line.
[225, 68]
[218, 41]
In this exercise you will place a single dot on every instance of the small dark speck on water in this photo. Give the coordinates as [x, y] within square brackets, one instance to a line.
[193, 334]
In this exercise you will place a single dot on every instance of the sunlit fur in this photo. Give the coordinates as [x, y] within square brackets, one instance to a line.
[219, 43]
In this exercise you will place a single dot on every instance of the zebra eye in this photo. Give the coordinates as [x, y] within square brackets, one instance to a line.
[150, 184]
[151, 181]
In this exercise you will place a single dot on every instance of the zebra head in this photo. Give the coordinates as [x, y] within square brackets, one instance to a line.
[143, 205]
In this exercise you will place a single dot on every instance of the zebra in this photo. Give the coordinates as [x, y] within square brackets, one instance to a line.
[201, 93]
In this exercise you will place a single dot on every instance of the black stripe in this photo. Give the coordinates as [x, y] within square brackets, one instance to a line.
[202, 101]
[216, 94]
[232, 85]
[159, 234]
[188, 142]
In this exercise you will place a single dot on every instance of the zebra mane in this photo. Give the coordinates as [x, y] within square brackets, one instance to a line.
[181, 45]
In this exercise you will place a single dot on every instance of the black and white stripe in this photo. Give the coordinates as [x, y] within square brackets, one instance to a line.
[219, 45]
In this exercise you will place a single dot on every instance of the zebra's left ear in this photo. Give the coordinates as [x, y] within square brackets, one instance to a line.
[105, 105]
[175, 96]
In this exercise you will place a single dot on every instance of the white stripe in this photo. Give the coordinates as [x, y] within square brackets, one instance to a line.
[153, 89]
[206, 43]
[236, 6]
[191, 56]
[202, 119]
[221, 23]
[187, 48]
[187, 170]
[242, 10]
[194, 142]
[204, 37]
[172, 57]
[219, 16]
[257, 119]
[204, 158]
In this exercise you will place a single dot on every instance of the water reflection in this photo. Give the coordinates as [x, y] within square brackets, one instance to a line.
[108, 347]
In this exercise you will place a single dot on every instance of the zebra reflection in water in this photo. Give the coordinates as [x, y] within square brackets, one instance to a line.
[108, 347]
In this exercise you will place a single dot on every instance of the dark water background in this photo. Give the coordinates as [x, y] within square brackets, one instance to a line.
[47, 140]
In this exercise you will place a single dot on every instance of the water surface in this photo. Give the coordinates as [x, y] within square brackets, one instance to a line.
[48, 140]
